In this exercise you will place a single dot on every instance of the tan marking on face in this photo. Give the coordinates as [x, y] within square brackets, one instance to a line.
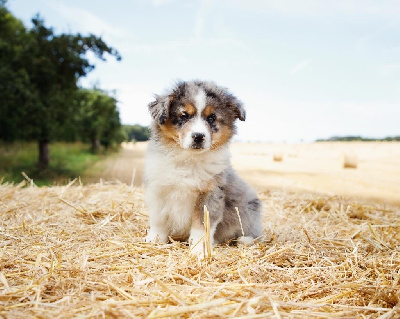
[221, 137]
[189, 109]
[169, 134]
[208, 110]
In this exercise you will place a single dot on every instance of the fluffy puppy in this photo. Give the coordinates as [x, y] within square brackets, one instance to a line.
[188, 166]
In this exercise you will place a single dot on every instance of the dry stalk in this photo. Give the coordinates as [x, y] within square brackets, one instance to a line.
[208, 248]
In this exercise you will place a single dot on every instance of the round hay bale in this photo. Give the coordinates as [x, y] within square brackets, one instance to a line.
[278, 157]
[350, 161]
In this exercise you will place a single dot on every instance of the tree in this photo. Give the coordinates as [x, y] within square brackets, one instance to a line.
[112, 130]
[58, 63]
[136, 132]
[39, 74]
[98, 117]
[17, 96]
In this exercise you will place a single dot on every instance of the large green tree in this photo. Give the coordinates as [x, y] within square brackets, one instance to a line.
[41, 72]
[59, 61]
[17, 95]
[98, 117]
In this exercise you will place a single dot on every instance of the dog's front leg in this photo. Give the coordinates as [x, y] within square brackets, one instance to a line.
[215, 204]
[197, 235]
[157, 231]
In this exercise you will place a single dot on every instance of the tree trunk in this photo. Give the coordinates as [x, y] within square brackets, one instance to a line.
[95, 144]
[44, 155]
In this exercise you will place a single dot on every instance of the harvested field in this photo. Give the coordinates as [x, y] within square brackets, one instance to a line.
[125, 166]
[77, 251]
[319, 168]
[314, 168]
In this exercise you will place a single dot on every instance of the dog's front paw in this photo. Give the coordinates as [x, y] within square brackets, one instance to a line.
[197, 250]
[151, 239]
[198, 246]
[155, 237]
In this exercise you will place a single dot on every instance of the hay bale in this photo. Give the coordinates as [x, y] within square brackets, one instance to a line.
[278, 157]
[350, 161]
[77, 251]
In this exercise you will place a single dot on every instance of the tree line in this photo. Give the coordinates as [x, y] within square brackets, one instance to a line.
[136, 133]
[352, 138]
[40, 98]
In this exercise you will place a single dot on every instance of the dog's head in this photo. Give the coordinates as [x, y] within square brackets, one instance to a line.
[196, 115]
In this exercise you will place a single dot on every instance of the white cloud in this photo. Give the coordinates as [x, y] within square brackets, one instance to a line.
[85, 21]
[301, 66]
[372, 109]
[160, 2]
[135, 97]
[201, 17]
[389, 69]
[326, 7]
[190, 46]
[278, 119]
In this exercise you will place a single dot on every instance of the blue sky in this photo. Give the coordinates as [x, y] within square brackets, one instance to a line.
[305, 69]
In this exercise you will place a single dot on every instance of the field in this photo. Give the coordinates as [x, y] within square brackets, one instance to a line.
[318, 168]
[330, 246]
[67, 161]
[315, 168]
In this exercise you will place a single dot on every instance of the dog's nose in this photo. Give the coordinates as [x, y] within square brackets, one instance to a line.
[198, 137]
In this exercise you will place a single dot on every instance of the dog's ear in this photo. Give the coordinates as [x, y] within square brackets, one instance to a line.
[159, 108]
[237, 107]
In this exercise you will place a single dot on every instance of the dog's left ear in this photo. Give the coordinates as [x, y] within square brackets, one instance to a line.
[159, 109]
[238, 108]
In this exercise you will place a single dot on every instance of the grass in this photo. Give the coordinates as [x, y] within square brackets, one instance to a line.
[67, 161]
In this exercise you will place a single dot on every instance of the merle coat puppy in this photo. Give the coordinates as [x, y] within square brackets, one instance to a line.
[188, 166]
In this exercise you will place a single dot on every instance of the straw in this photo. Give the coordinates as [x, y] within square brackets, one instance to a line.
[208, 248]
[78, 251]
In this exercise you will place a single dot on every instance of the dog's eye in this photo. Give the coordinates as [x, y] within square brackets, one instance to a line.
[211, 118]
[184, 116]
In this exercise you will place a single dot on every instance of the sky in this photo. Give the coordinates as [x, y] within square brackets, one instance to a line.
[304, 69]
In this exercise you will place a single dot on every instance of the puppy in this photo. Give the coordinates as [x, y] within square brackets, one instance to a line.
[188, 166]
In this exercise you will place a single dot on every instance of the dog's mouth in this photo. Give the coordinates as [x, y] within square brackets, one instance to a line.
[198, 141]
[197, 146]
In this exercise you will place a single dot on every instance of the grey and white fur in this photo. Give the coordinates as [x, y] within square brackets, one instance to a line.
[188, 166]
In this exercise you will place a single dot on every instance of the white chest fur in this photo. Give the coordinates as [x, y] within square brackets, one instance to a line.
[190, 169]
[174, 179]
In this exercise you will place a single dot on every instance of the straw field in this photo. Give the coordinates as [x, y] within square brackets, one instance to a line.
[362, 170]
[78, 251]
